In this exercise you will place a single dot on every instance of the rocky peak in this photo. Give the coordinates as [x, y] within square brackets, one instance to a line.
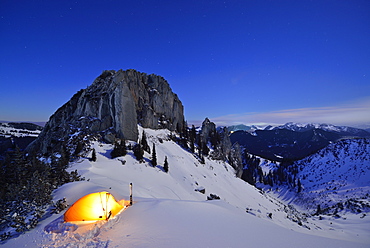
[221, 144]
[208, 130]
[115, 103]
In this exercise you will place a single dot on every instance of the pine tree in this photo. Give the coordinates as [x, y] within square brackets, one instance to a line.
[123, 147]
[318, 210]
[13, 166]
[93, 156]
[79, 148]
[154, 157]
[165, 165]
[138, 152]
[58, 172]
[185, 131]
[119, 149]
[192, 134]
[200, 146]
[299, 186]
[192, 147]
[202, 161]
[205, 149]
[144, 143]
[64, 155]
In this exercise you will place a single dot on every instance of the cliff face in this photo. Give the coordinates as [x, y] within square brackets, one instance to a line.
[113, 106]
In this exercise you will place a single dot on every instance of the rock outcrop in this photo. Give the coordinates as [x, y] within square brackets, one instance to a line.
[219, 141]
[113, 106]
[208, 131]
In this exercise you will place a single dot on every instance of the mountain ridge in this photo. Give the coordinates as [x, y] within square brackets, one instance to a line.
[301, 127]
[292, 141]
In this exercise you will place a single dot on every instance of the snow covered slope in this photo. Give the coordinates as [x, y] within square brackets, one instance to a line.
[338, 177]
[170, 209]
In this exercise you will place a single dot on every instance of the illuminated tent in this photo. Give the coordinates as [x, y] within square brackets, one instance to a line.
[95, 206]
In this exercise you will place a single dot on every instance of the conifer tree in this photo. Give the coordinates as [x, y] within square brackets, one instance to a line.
[93, 156]
[144, 143]
[318, 210]
[64, 155]
[154, 157]
[165, 165]
[119, 149]
[299, 186]
[79, 148]
[205, 149]
[192, 147]
[185, 132]
[123, 147]
[202, 161]
[192, 136]
[14, 166]
[200, 146]
[138, 152]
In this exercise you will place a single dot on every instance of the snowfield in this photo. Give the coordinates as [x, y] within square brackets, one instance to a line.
[170, 209]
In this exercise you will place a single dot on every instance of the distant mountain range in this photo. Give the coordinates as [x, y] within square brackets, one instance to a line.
[299, 127]
[20, 134]
[38, 123]
[341, 130]
[291, 141]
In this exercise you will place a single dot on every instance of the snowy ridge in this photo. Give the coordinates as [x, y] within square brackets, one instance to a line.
[337, 178]
[169, 209]
[301, 127]
[8, 130]
[339, 173]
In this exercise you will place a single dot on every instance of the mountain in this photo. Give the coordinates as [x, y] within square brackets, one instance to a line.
[19, 129]
[282, 143]
[186, 185]
[341, 130]
[292, 141]
[112, 107]
[17, 134]
[332, 182]
[337, 177]
[251, 128]
[240, 127]
[171, 209]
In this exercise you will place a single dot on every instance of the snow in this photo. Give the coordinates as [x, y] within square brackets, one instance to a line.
[169, 210]
[7, 131]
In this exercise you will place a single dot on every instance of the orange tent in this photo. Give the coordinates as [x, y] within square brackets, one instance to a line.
[95, 206]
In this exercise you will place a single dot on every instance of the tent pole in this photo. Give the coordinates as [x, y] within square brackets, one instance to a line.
[130, 194]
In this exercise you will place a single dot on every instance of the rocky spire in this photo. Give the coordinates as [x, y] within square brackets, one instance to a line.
[115, 103]
[221, 144]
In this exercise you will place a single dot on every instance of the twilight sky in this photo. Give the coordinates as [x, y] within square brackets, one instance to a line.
[239, 61]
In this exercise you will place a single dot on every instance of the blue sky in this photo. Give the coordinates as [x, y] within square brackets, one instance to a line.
[231, 61]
